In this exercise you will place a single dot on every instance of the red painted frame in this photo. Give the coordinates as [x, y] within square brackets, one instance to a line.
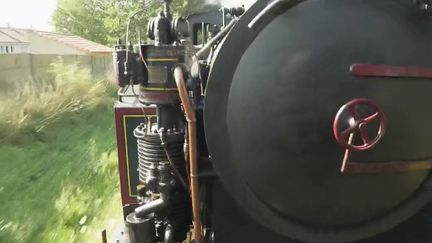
[120, 113]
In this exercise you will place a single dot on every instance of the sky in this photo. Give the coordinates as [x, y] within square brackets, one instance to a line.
[34, 14]
[234, 3]
[37, 14]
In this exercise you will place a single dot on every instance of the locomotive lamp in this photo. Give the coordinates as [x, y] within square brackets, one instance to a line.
[424, 5]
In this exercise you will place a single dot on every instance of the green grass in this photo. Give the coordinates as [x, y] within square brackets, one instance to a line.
[58, 164]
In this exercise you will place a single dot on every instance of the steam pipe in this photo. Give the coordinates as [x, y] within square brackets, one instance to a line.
[201, 53]
[191, 120]
[169, 234]
[150, 207]
[171, 161]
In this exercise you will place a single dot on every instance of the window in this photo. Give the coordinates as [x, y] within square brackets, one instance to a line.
[1, 49]
[7, 49]
[11, 49]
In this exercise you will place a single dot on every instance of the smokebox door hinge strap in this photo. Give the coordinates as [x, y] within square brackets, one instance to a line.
[383, 167]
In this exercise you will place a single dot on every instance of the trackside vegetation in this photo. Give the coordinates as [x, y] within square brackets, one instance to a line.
[58, 165]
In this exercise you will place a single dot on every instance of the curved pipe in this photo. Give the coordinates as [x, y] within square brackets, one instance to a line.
[150, 207]
[272, 10]
[191, 119]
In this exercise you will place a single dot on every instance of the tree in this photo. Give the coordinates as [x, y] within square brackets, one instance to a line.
[104, 21]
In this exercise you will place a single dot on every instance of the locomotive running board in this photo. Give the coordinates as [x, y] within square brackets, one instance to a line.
[387, 167]
[380, 70]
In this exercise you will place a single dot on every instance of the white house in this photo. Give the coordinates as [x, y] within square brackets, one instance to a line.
[27, 54]
[13, 41]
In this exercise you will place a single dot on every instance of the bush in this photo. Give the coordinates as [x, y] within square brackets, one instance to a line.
[32, 105]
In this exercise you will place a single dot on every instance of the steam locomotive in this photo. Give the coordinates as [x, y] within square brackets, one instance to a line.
[295, 121]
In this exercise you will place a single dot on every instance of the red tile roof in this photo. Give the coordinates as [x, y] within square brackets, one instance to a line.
[76, 42]
[10, 35]
[14, 35]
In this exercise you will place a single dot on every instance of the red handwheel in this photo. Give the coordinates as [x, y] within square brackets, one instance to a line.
[348, 114]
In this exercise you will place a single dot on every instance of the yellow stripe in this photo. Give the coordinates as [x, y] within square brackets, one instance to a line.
[140, 116]
[158, 89]
[126, 148]
[162, 59]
